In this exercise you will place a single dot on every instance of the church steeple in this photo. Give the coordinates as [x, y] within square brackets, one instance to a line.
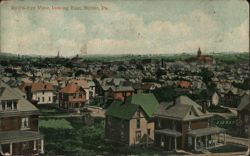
[199, 52]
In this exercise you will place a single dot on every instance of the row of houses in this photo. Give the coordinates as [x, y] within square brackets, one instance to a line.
[180, 124]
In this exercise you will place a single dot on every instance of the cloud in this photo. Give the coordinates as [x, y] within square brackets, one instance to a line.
[116, 31]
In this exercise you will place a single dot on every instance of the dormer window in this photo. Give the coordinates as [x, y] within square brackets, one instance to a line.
[190, 113]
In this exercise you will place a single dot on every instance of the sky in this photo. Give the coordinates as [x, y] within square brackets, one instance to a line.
[123, 26]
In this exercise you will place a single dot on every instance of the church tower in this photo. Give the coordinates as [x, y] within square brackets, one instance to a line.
[199, 52]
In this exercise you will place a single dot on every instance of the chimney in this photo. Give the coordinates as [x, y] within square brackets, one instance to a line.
[204, 106]
[174, 99]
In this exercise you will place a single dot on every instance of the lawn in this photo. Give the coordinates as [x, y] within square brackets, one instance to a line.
[70, 136]
[229, 148]
[55, 124]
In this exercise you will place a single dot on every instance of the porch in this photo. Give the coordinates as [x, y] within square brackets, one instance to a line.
[206, 138]
[21, 143]
[168, 139]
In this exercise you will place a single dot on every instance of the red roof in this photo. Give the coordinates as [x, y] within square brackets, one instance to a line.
[184, 84]
[70, 88]
[39, 86]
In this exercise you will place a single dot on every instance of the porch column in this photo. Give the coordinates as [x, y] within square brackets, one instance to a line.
[169, 146]
[10, 148]
[42, 146]
[195, 143]
[12, 105]
[175, 144]
[206, 142]
[34, 145]
[224, 138]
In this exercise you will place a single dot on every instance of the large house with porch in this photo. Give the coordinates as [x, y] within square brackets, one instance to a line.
[19, 134]
[183, 124]
[72, 97]
[130, 121]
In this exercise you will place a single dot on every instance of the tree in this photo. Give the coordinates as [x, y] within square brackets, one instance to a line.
[164, 94]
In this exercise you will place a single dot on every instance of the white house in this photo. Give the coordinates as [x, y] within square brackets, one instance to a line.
[40, 92]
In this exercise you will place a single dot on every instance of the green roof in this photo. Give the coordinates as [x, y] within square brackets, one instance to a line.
[148, 102]
[126, 110]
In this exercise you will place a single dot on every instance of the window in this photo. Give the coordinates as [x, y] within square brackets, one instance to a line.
[49, 98]
[109, 120]
[159, 123]
[38, 99]
[122, 134]
[80, 95]
[43, 99]
[138, 123]
[25, 123]
[138, 135]
[43, 92]
[3, 106]
[9, 105]
[138, 114]
[190, 113]
[15, 105]
[122, 125]
[189, 125]
[25, 145]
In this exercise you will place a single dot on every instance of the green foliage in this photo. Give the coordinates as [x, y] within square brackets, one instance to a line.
[55, 124]
[164, 94]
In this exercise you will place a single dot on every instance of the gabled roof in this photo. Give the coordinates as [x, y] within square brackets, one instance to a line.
[70, 88]
[119, 109]
[243, 103]
[8, 93]
[38, 86]
[82, 83]
[180, 110]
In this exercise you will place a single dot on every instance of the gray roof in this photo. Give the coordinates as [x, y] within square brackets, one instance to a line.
[18, 136]
[181, 109]
[243, 103]
[168, 132]
[19, 92]
[122, 88]
[205, 131]
[23, 105]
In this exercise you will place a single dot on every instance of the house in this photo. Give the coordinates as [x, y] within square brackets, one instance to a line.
[231, 98]
[183, 124]
[84, 84]
[184, 84]
[19, 134]
[92, 89]
[40, 92]
[72, 97]
[130, 122]
[120, 93]
[244, 116]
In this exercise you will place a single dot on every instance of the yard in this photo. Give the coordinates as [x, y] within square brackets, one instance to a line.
[71, 136]
[230, 147]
